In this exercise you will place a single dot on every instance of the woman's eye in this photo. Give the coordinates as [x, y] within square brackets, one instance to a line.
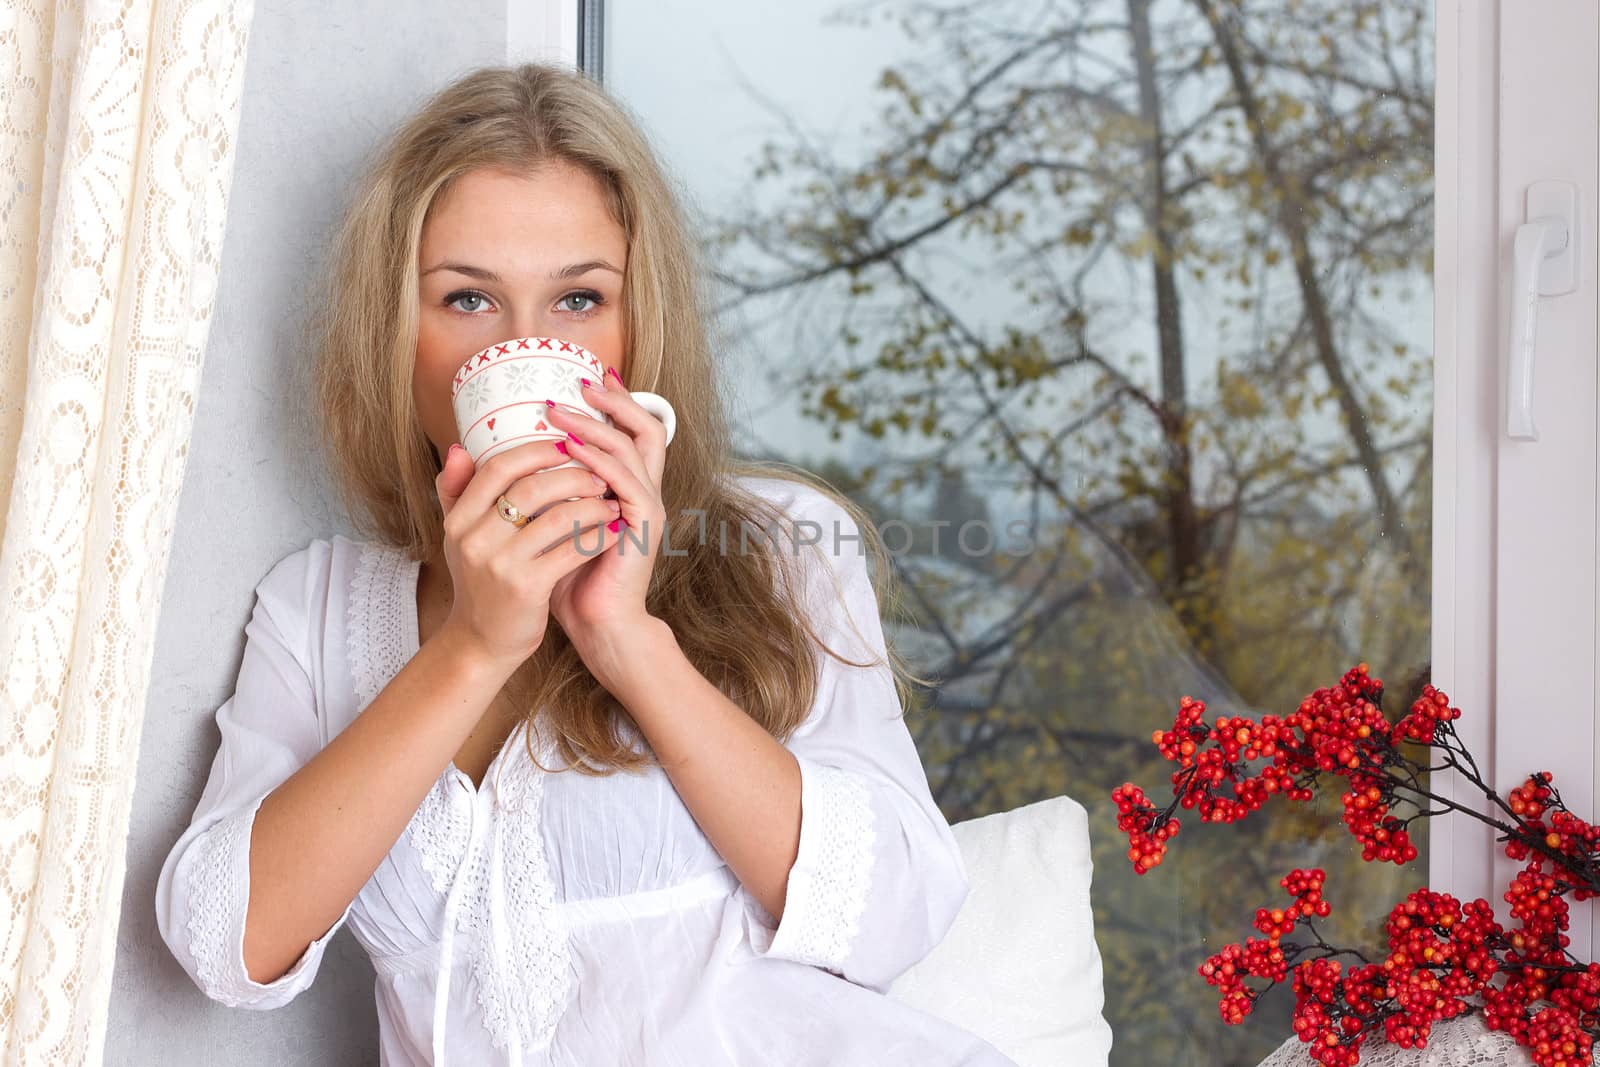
[451, 300]
[594, 300]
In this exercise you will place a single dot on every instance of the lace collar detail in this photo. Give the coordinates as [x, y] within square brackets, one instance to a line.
[501, 876]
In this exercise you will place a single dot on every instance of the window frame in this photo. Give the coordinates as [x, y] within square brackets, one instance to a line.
[1515, 632]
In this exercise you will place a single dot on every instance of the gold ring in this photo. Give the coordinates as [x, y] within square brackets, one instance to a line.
[511, 513]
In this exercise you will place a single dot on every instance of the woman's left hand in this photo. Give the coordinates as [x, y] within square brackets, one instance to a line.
[602, 601]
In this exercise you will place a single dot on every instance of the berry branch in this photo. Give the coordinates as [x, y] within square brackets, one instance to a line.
[1441, 952]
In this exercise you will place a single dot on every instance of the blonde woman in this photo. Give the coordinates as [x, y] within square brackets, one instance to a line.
[596, 788]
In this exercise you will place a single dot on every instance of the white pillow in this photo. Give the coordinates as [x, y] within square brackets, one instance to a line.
[1019, 966]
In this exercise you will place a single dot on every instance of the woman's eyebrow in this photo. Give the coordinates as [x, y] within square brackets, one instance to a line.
[575, 269]
[572, 270]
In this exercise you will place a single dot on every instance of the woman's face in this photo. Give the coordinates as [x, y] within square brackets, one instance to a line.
[508, 255]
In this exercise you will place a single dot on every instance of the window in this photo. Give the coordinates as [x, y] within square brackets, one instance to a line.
[1159, 283]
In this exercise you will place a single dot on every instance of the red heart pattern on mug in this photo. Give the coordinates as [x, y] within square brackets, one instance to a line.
[491, 424]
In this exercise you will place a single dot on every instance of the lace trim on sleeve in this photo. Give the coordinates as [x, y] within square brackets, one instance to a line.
[219, 874]
[830, 894]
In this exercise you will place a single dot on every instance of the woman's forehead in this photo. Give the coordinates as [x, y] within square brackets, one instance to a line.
[549, 192]
[535, 224]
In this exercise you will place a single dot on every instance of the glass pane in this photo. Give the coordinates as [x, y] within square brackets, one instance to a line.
[1150, 279]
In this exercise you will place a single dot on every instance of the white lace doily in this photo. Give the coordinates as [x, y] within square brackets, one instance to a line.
[1460, 1042]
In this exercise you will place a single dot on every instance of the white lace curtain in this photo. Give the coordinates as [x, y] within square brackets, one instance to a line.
[117, 127]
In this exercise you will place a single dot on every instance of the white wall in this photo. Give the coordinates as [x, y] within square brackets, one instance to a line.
[323, 83]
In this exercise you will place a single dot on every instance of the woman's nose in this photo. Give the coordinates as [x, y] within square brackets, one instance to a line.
[528, 324]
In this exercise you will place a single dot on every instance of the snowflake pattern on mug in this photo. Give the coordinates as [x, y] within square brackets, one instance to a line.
[520, 378]
[472, 394]
[566, 375]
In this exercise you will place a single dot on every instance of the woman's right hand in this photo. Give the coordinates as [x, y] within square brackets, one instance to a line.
[502, 575]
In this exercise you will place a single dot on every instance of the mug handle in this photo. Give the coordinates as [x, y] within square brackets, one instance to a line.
[660, 408]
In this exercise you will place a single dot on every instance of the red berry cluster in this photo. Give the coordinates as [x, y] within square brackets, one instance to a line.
[1569, 842]
[1334, 1033]
[1536, 955]
[1430, 711]
[1556, 1036]
[1558, 1041]
[1339, 730]
[1382, 837]
[1441, 951]
[1258, 958]
[1147, 841]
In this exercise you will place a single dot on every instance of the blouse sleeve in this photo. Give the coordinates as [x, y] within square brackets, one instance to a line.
[879, 876]
[270, 729]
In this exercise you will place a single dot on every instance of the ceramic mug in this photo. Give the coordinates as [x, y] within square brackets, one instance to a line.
[499, 395]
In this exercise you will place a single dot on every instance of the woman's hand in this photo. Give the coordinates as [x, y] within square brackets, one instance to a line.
[600, 605]
[503, 575]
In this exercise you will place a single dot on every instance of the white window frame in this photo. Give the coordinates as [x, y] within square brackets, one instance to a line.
[1515, 639]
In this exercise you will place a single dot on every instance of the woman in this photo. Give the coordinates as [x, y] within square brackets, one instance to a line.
[647, 804]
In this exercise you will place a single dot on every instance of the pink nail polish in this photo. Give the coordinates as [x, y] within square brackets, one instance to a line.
[586, 383]
[561, 446]
[574, 437]
[613, 372]
[549, 403]
[614, 523]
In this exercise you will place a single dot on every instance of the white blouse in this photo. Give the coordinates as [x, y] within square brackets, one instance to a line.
[558, 918]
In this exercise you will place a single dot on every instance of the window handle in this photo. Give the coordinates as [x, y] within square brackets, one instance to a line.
[1543, 263]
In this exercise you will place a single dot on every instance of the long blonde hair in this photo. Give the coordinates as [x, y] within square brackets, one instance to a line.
[739, 617]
